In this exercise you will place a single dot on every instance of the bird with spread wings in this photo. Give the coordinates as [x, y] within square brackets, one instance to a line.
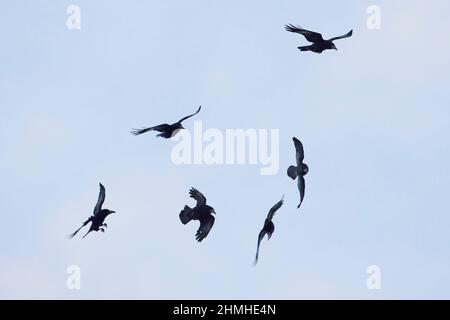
[318, 43]
[166, 130]
[300, 170]
[201, 212]
[268, 227]
[98, 217]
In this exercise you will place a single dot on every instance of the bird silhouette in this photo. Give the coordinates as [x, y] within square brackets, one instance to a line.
[201, 212]
[167, 130]
[300, 170]
[98, 217]
[268, 227]
[318, 43]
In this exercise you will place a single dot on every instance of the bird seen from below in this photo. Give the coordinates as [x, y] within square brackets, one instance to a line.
[318, 43]
[201, 212]
[300, 170]
[167, 130]
[268, 227]
[98, 217]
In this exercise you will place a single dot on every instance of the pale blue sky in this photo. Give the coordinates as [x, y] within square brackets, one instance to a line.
[373, 117]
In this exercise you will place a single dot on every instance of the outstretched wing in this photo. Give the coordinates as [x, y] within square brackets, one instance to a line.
[274, 209]
[181, 120]
[198, 196]
[261, 235]
[299, 153]
[70, 236]
[101, 199]
[160, 128]
[301, 188]
[347, 35]
[311, 36]
[206, 223]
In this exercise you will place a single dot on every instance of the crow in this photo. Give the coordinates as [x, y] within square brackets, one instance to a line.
[268, 227]
[200, 212]
[300, 170]
[167, 130]
[98, 217]
[318, 43]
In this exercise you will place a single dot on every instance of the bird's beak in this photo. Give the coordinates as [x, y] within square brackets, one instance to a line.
[213, 212]
[335, 48]
[112, 212]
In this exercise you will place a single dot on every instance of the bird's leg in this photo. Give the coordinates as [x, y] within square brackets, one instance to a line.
[102, 230]
[104, 225]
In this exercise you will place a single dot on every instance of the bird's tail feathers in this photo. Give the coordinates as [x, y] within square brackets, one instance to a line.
[186, 215]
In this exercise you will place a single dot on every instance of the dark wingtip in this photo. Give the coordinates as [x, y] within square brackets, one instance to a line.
[136, 132]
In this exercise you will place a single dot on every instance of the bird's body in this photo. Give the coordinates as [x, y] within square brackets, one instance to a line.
[201, 212]
[167, 131]
[268, 227]
[318, 43]
[98, 217]
[300, 170]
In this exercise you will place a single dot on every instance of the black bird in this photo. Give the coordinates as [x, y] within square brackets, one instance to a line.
[300, 170]
[167, 130]
[200, 212]
[269, 227]
[98, 217]
[318, 43]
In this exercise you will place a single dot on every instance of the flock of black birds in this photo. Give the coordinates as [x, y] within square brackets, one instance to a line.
[203, 212]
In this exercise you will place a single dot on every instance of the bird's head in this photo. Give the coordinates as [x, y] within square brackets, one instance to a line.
[305, 169]
[211, 210]
[108, 212]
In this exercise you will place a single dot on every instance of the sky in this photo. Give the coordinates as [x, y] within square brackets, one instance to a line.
[373, 117]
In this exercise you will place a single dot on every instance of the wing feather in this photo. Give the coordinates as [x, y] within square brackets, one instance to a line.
[198, 196]
[299, 152]
[160, 128]
[187, 117]
[101, 199]
[274, 209]
[206, 223]
[347, 35]
[311, 36]
[261, 235]
[301, 189]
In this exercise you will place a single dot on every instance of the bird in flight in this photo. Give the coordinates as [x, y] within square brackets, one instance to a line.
[167, 130]
[318, 43]
[300, 170]
[201, 212]
[98, 217]
[268, 227]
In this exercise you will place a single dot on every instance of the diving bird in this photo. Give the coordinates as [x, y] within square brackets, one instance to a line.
[268, 227]
[98, 217]
[167, 130]
[318, 43]
[201, 212]
[300, 170]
